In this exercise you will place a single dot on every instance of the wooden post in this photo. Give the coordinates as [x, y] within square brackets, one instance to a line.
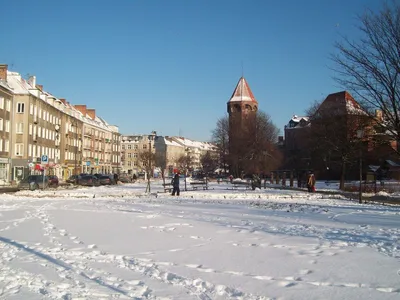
[284, 179]
[271, 180]
[277, 178]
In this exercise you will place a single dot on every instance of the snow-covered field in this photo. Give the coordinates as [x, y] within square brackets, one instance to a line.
[119, 243]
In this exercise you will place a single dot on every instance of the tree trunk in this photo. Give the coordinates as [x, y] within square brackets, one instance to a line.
[342, 175]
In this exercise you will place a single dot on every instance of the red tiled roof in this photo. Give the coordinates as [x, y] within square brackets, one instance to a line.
[242, 92]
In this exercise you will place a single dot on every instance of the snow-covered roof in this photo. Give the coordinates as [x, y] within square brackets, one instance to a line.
[5, 85]
[296, 118]
[20, 86]
[297, 122]
[242, 92]
[392, 163]
[170, 142]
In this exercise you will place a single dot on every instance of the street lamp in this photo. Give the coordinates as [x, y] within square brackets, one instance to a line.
[360, 135]
[149, 168]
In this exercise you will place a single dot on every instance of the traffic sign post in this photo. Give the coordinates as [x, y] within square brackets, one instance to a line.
[45, 160]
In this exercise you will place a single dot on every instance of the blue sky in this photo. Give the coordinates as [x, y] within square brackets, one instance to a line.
[172, 65]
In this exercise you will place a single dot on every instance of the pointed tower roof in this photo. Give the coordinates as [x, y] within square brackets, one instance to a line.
[242, 92]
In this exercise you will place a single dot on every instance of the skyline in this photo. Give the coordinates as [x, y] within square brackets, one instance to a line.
[172, 66]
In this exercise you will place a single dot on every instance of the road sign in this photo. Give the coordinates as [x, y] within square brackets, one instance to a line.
[45, 159]
[88, 163]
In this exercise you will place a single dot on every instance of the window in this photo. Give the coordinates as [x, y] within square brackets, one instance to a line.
[19, 149]
[8, 105]
[7, 146]
[129, 155]
[129, 164]
[20, 107]
[144, 147]
[29, 150]
[123, 147]
[30, 129]
[1, 124]
[1, 144]
[39, 132]
[20, 128]
[2, 102]
[7, 125]
[129, 147]
[136, 147]
[34, 151]
[31, 108]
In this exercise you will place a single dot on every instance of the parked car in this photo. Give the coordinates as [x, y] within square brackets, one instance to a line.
[125, 178]
[89, 180]
[106, 179]
[74, 179]
[53, 181]
[34, 182]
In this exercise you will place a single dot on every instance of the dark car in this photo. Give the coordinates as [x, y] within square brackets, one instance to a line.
[53, 181]
[106, 179]
[34, 182]
[74, 179]
[89, 180]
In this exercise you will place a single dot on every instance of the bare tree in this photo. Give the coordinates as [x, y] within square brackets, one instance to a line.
[220, 137]
[209, 162]
[370, 67]
[252, 146]
[185, 162]
[147, 160]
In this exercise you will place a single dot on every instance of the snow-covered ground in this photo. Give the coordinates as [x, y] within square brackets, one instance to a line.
[119, 243]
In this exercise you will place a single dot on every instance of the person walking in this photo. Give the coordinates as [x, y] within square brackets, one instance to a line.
[311, 183]
[175, 185]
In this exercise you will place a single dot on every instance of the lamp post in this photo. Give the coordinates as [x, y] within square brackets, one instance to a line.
[74, 124]
[149, 168]
[360, 135]
[57, 136]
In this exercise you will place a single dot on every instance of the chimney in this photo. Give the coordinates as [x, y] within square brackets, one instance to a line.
[81, 108]
[32, 81]
[40, 87]
[3, 72]
[63, 101]
[92, 113]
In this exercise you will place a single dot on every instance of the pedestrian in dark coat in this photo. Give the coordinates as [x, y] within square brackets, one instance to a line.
[175, 185]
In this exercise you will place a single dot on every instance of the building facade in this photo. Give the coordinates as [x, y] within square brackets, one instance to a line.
[43, 132]
[6, 106]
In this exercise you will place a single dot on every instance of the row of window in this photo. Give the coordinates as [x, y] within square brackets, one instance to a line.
[43, 114]
[132, 163]
[4, 145]
[7, 125]
[7, 102]
[129, 147]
